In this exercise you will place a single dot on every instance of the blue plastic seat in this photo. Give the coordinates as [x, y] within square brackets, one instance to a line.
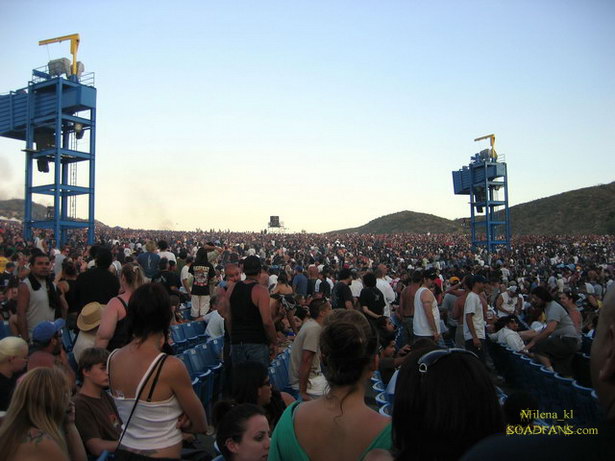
[586, 345]
[186, 361]
[190, 332]
[217, 344]
[4, 330]
[565, 391]
[104, 456]
[180, 343]
[206, 386]
[197, 362]
[586, 411]
[386, 409]
[382, 399]
[208, 355]
[199, 327]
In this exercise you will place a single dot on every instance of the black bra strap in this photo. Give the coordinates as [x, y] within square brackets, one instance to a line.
[123, 303]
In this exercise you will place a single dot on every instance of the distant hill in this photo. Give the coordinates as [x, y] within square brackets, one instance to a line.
[590, 210]
[407, 221]
[13, 208]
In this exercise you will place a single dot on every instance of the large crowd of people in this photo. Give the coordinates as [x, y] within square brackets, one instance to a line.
[347, 305]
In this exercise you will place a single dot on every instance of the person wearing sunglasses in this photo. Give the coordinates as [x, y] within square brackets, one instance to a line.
[434, 420]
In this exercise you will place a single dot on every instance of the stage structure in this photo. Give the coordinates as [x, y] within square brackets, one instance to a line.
[275, 225]
[485, 180]
[54, 112]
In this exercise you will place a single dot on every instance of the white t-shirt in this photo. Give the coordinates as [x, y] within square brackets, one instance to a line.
[355, 288]
[420, 324]
[389, 296]
[215, 325]
[167, 254]
[508, 338]
[475, 307]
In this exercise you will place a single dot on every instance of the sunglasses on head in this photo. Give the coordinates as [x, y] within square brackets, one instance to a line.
[431, 358]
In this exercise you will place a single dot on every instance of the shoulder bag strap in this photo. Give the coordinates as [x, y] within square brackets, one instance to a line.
[151, 391]
[138, 396]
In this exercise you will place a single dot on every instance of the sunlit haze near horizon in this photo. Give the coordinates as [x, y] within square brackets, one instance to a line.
[326, 113]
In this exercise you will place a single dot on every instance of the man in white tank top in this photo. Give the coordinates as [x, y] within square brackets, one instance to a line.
[509, 302]
[426, 322]
[33, 305]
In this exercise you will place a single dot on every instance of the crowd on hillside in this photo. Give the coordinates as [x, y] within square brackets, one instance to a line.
[417, 310]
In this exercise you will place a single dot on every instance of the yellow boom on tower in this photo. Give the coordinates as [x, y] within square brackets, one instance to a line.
[74, 45]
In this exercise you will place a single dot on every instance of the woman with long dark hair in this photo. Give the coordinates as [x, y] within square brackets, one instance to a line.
[243, 434]
[251, 384]
[152, 390]
[445, 402]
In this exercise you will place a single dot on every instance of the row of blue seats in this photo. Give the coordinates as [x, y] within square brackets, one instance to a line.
[205, 368]
[555, 393]
[278, 373]
[383, 399]
[187, 335]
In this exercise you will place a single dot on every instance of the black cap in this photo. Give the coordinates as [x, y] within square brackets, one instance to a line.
[251, 265]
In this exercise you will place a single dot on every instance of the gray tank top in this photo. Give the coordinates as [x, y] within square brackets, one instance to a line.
[38, 309]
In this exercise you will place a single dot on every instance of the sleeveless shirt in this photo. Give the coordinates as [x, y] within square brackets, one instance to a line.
[247, 323]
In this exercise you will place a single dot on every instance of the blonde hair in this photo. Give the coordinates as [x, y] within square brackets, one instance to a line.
[150, 246]
[40, 400]
[133, 275]
[12, 346]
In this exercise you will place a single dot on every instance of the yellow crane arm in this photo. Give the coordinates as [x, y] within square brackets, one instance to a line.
[74, 45]
[491, 138]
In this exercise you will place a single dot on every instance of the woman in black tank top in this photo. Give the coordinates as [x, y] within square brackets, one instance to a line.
[112, 331]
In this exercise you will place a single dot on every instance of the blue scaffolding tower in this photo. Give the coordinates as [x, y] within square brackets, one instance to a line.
[51, 114]
[482, 180]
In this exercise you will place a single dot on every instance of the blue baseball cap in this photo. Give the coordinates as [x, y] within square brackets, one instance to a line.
[44, 331]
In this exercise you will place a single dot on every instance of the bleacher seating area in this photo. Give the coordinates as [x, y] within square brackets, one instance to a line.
[555, 393]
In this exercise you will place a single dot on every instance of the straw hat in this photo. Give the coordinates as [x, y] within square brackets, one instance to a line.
[90, 316]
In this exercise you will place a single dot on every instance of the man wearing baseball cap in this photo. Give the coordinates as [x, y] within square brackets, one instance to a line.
[509, 302]
[48, 349]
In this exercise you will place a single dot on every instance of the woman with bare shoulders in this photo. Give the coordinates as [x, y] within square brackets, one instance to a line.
[40, 421]
[338, 425]
[112, 331]
[152, 390]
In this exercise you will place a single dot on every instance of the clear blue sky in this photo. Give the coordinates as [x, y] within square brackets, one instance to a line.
[327, 113]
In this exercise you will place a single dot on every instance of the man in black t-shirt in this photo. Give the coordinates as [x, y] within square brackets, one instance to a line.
[97, 284]
[371, 299]
[323, 286]
[341, 296]
[169, 277]
[204, 275]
